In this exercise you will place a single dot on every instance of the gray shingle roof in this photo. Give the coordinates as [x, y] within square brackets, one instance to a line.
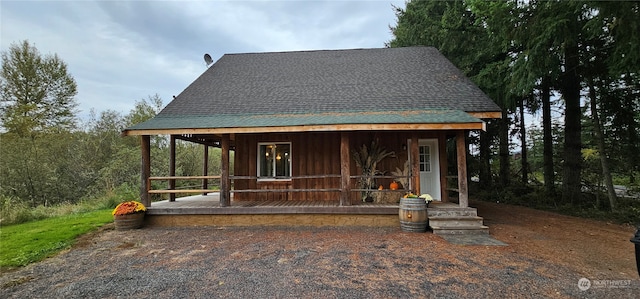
[316, 82]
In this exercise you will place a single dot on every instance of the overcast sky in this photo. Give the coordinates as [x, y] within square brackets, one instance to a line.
[123, 51]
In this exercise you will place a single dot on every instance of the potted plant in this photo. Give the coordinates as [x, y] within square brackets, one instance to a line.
[129, 215]
[367, 158]
[427, 198]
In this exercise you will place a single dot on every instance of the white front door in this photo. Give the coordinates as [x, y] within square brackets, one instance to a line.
[429, 167]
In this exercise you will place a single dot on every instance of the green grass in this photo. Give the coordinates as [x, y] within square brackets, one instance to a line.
[22, 244]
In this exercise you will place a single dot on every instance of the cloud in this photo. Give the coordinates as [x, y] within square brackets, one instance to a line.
[122, 51]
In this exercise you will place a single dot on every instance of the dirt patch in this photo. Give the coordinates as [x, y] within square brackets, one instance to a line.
[546, 255]
[90, 238]
[595, 248]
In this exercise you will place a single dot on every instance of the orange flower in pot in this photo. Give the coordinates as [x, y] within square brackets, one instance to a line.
[128, 215]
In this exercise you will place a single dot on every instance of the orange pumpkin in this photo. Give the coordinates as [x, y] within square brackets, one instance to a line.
[393, 185]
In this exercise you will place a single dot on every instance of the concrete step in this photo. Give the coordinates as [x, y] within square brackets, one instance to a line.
[467, 221]
[446, 219]
[451, 212]
[461, 230]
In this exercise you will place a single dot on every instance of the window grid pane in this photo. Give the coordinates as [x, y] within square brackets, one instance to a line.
[282, 160]
[266, 161]
[425, 158]
[274, 160]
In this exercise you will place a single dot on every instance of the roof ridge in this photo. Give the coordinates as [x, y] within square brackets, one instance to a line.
[335, 112]
[325, 50]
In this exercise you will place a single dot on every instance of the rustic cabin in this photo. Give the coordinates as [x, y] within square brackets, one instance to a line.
[343, 132]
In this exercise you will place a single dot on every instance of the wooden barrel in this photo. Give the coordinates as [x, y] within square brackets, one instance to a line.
[130, 221]
[413, 214]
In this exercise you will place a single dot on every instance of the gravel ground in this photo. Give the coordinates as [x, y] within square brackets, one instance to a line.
[304, 262]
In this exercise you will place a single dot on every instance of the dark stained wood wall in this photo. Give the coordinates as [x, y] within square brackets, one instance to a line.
[314, 153]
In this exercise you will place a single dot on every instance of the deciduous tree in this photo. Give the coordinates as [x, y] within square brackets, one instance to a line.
[37, 91]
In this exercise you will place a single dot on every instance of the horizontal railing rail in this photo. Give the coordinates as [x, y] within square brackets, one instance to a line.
[195, 177]
[233, 178]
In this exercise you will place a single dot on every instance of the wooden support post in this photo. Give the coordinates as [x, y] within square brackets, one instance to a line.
[463, 191]
[225, 194]
[345, 159]
[415, 164]
[442, 150]
[145, 173]
[205, 168]
[172, 166]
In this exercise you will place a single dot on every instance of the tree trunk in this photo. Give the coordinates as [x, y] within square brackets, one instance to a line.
[523, 145]
[547, 139]
[632, 135]
[604, 161]
[485, 160]
[504, 149]
[571, 178]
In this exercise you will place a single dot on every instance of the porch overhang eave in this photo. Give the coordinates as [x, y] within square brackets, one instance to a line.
[310, 128]
[401, 120]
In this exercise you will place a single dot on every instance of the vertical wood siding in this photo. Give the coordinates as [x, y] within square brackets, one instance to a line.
[315, 153]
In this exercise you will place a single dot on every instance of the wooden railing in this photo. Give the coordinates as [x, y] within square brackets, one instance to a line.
[451, 178]
[174, 178]
[233, 178]
[386, 189]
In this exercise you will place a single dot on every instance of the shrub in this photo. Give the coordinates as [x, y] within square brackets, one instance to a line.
[14, 211]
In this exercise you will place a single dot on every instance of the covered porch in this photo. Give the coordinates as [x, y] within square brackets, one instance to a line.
[329, 176]
[205, 210]
[313, 193]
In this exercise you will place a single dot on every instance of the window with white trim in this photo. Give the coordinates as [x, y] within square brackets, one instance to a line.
[274, 160]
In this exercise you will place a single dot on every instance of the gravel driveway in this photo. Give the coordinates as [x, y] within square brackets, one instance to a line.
[306, 262]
